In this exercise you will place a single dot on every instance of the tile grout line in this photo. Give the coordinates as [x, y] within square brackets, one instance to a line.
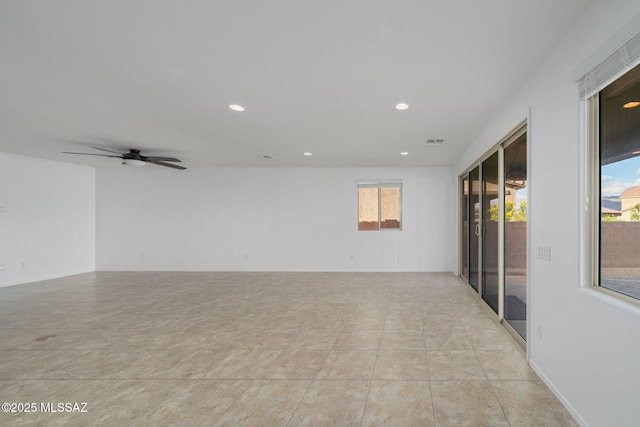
[313, 380]
[493, 391]
[366, 401]
[426, 356]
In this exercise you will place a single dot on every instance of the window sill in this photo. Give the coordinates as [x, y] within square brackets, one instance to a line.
[620, 301]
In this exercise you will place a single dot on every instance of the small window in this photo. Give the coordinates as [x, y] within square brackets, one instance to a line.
[615, 135]
[379, 206]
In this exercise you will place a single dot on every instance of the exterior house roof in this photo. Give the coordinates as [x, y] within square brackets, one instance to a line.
[631, 192]
[604, 210]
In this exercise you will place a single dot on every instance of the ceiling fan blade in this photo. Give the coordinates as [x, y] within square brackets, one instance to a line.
[163, 159]
[108, 151]
[169, 165]
[92, 154]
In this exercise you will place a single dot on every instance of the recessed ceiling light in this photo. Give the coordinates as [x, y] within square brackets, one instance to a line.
[308, 154]
[632, 104]
[236, 107]
[402, 106]
[404, 153]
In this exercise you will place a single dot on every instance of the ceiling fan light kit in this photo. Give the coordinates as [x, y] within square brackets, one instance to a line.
[133, 162]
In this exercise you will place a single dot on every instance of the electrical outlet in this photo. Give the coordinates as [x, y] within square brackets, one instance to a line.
[544, 252]
[539, 330]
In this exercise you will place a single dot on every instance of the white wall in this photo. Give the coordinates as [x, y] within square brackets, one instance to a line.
[47, 228]
[590, 347]
[282, 219]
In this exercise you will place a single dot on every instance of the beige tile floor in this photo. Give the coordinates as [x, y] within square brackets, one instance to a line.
[244, 349]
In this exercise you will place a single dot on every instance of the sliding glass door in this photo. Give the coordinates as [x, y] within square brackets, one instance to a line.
[490, 237]
[494, 231]
[464, 231]
[515, 235]
[474, 227]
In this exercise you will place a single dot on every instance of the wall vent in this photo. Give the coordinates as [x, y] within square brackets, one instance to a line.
[435, 141]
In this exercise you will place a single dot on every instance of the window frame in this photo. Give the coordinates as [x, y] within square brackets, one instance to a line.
[594, 197]
[603, 67]
[379, 185]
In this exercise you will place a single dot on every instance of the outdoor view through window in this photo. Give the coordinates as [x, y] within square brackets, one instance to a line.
[379, 206]
[619, 125]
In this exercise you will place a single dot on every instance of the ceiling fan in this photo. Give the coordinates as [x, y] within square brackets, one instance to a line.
[134, 158]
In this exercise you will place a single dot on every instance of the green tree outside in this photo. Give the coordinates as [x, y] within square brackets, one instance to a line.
[511, 215]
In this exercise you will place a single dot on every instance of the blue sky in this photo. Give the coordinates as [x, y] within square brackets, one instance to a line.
[617, 177]
[521, 196]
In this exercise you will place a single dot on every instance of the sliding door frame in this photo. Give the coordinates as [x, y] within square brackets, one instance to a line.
[513, 137]
[521, 129]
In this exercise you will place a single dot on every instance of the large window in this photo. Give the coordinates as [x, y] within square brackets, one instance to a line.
[379, 206]
[615, 135]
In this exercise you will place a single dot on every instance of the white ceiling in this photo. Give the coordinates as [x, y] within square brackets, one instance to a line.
[316, 76]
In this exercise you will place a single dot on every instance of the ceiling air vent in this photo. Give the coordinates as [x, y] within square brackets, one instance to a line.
[435, 141]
